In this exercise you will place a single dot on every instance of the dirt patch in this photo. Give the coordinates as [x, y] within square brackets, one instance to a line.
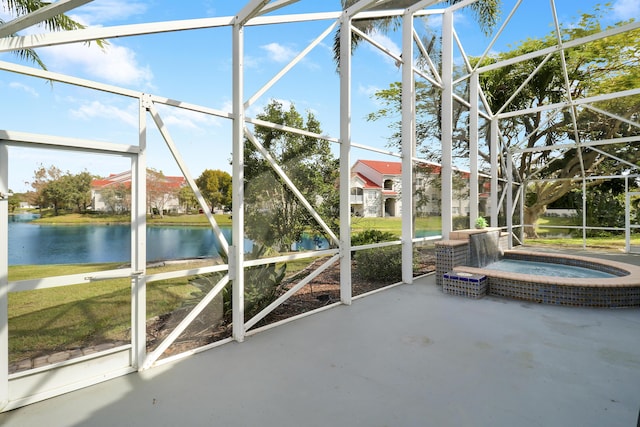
[319, 292]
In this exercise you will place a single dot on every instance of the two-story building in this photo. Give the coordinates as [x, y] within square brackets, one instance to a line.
[122, 181]
[376, 189]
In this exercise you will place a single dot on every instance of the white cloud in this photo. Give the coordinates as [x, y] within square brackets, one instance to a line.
[626, 9]
[256, 109]
[95, 109]
[227, 105]
[385, 42]
[28, 89]
[278, 52]
[93, 13]
[115, 64]
[252, 62]
[187, 119]
[368, 90]
[107, 11]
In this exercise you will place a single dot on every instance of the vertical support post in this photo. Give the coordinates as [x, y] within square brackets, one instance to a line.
[447, 122]
[584, 213]
[345, 159]
[139, 240]
[523, 191]
[494, 172]
[473, 148]
[408, 146]
[4, 276]
[509, 211]
[236, 253]
[627, 215]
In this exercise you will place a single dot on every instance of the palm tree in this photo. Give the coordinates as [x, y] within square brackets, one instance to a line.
[486, 12]
[57, 23]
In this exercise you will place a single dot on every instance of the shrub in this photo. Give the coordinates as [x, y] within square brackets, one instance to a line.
[460, 222]
[380, 264]
[261, 285]
[481, 222]
[371, 236]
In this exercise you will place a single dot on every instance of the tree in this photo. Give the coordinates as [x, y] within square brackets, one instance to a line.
[57, 191]
[187, 199]
[605, 207]
[428, 187]
[57, 23]
[60, 190]
[274, 216]
[80, 190]
[600, 66]
[159, 191]
[14, 202]
[215, 186]
[428, 119]
[116, 198]
[42, 177]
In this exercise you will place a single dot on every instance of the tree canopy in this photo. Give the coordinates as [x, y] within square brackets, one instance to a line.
[215, 186]
[274, 215]
[52, 187]
[602, 66]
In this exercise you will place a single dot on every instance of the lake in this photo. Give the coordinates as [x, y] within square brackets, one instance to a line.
[31, 243]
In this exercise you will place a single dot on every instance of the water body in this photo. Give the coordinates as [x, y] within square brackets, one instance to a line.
[546, 269]
[47, 244]
[31, 243]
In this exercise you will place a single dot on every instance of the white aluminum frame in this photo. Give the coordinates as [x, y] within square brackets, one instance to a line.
[261, 12]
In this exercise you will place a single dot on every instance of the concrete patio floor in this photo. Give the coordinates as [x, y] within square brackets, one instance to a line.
[407, 356]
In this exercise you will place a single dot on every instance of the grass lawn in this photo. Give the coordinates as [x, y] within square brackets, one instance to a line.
[390, 224]
[48, 320]
[76, 218]
[393, 224]
[561, 237]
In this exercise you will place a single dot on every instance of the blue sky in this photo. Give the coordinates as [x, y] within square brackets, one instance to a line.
[195, 67]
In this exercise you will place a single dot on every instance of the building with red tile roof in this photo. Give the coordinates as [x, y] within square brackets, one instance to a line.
[376, 188]
[113, 194]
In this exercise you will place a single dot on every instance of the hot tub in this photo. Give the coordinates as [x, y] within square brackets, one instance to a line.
[620, 289]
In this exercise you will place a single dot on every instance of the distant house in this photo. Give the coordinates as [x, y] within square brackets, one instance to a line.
[376, 189]
[114, 193]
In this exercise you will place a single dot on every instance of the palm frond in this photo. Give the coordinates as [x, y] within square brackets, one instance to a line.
[57, 23]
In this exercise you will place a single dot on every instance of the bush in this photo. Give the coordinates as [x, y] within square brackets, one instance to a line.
[371, 236]
[481, 222]
[380, 264]
[261, 285]
[460, 223]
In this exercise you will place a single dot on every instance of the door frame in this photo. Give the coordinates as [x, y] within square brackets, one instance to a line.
[627, 221]
[37, 384]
